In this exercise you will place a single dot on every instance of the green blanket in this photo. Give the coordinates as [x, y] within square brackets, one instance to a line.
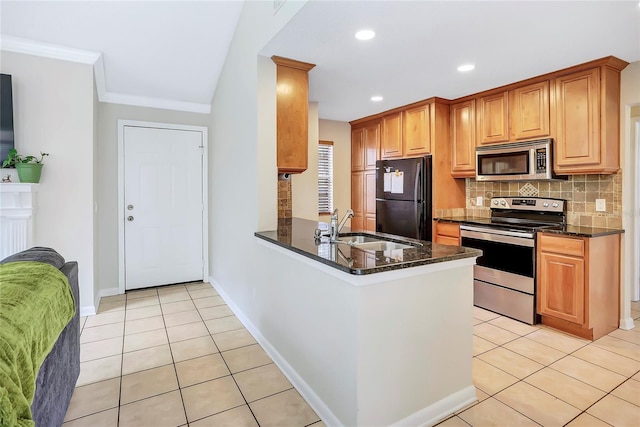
[36, 304]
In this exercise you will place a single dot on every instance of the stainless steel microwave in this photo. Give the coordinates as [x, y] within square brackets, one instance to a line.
[518, 161]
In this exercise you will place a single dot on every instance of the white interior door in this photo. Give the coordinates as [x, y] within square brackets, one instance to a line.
[163, 206]
[636, 215]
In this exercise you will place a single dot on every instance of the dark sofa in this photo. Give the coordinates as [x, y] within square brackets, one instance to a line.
[57, 376]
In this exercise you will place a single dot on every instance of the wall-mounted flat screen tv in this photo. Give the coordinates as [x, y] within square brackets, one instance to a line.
[6, 116]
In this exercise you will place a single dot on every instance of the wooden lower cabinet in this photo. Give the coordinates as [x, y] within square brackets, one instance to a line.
[370, 200]
[447, 233]
[363, 200]
[579, 283]
[357, 201]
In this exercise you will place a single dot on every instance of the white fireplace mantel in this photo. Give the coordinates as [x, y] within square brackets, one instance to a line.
[17, 204]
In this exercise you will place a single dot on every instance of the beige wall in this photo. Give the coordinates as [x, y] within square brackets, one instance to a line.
[305, 185]
[107, 177]
[340, 134]
[629, 97]
[54, 113]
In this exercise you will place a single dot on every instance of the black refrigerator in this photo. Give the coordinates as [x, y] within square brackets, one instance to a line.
[403, 197]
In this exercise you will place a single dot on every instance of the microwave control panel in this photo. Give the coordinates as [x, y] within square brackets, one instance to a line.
[541, 160]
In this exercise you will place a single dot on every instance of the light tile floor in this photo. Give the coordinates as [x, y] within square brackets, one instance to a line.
[177, 356]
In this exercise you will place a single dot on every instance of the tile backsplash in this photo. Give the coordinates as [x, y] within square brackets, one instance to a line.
[285, 203]
[581, 192]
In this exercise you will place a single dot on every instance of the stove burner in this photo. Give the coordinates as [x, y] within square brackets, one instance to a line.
[531, 213]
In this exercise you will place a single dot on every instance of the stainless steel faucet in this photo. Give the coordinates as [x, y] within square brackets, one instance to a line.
[335, 227]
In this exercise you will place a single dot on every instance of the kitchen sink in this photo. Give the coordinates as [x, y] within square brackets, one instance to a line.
[375, 243]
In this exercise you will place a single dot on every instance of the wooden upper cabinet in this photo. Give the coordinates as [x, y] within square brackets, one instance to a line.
[365, 146]
[371, 145]
[529, 111]
[492, 119]
[391, 141]
[586, 124]
[292, 109]
[463, 139]
[578, 121]
[357, 149]
[417, 132]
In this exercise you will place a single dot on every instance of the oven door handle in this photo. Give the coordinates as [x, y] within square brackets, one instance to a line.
[484, 234]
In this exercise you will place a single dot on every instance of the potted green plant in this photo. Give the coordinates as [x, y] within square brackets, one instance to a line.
[29, 168]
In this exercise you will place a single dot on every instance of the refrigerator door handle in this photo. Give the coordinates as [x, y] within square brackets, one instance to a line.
[415, 198]
[416, 185]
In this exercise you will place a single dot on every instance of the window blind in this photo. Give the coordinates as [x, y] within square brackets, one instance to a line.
[325, 177]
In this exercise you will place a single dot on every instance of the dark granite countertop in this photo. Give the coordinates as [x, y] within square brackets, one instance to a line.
[567, 230]
[297, 235]
[583, 231]
[464, 219]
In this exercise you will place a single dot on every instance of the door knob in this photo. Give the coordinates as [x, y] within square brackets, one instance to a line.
[130, 207]
[129, 218]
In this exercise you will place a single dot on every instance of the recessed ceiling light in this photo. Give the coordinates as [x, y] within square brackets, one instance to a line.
[365, 35]
[376, 98]
[466, 67]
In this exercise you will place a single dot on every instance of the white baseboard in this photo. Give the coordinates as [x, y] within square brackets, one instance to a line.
[317, 404]
[627, 323]
[109, 292]
[90, 310]
[440, 410]
[425, 417]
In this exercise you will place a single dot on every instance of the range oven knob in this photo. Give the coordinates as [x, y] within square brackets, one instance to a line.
[555, 205]
[495, 202]
[503, 203]
[545, 204]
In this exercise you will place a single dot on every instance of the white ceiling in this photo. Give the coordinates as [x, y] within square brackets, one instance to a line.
[170, 53]
[154, 52]
[419, 45]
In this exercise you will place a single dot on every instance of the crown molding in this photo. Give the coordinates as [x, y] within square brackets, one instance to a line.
[101, 81]
[37, 48]
[165, 104]
[32, 47]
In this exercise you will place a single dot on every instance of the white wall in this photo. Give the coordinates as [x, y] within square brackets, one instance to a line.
[266, 155]
[304, 186]
[340, 134]
[96, 258]
[629, 97]
[242, 169]
[54, 112]
[107, 177]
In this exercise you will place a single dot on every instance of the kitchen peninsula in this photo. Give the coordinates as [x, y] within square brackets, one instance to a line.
[370, 337]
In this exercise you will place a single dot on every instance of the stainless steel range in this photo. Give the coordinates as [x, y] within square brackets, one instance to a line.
[505, 275]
